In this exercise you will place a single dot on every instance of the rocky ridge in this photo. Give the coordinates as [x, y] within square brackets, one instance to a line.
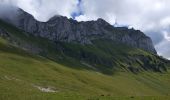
[60, 28]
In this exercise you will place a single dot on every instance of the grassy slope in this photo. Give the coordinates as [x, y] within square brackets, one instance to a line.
[20, 71]
[106, 56]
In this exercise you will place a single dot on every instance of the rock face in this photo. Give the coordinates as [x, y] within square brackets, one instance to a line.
[60, 28]
[3, 33]
[17, 43]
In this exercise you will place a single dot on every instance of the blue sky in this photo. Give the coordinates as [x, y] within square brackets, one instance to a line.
[150, 16]
[79, 11]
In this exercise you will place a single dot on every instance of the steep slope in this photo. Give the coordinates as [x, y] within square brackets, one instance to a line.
[60, 28]
[31, 77]
[94, 42]
[104, 55]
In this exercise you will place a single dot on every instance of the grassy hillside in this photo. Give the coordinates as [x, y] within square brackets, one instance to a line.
[21, 73]
[76, 72]
[103, 55]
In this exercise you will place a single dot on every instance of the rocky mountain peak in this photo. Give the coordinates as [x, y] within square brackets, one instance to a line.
[56, 18]
[102, 21]
[62, 29]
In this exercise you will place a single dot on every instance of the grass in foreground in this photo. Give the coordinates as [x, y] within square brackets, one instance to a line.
[21, 72]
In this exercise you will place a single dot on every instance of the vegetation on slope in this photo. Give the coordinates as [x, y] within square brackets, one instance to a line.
[105, 56]
[21, 71]
[74, 75]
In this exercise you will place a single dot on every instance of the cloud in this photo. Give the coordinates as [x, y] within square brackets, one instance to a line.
[8, 2]
[137, 13]
[45, 9]
[164, 48]
[7, 10]
[42, 10]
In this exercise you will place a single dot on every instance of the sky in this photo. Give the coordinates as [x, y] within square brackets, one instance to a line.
[150, 16]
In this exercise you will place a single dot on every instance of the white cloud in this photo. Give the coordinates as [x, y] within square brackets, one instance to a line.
[166, 36]
[10, 2]
[164, 48]
[137, 13]
[44, 9]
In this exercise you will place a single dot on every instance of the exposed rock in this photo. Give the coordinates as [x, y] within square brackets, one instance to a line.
[60, 28]
[19, 43]
[45, 89]
[3, 33]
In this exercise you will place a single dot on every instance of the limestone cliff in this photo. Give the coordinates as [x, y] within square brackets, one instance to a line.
[60, 28]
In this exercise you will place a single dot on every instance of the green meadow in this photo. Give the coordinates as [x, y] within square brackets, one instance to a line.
[21, 74]
[54, 75]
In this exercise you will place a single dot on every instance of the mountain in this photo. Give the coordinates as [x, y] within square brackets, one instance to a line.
[77, 60]
[60, 28]
[94, 42]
